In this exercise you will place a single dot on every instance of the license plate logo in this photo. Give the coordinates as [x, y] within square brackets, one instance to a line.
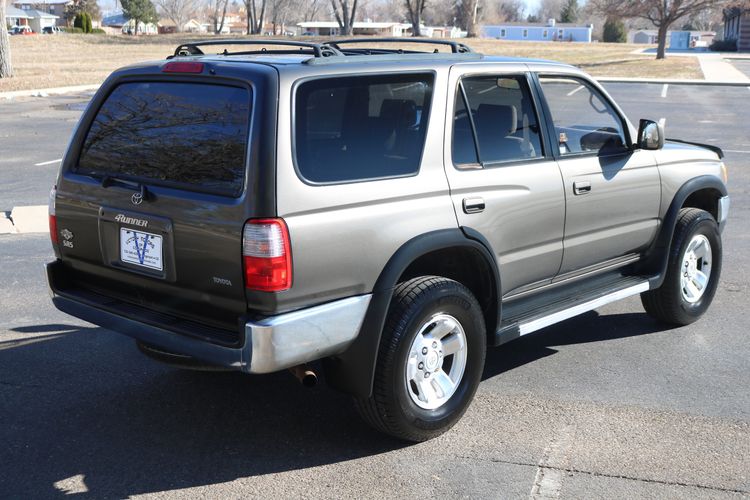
[141, 249]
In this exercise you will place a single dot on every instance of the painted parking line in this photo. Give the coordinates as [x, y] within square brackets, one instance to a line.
[580, 87]
[664, 90]
[735, 151]
[41, 164]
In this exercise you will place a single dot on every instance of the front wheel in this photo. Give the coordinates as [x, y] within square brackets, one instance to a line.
[430, 360]
[692, 272]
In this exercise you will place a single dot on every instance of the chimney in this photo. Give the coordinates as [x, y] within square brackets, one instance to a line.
[551, 23]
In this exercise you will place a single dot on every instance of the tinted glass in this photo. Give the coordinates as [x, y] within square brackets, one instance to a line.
[506, 124]
[181, 134]
[584, 121]
[358, 128]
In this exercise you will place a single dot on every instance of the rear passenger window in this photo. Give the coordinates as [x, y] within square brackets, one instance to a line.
[497, 115]
[364, 127]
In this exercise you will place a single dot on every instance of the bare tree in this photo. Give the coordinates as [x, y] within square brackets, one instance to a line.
[280, 11]
[6, 68]
[310, 9]
[218, 14]
[256, 16]
[467, 16]
[415, 9]
[344, 12]
[661, 13]
[549, 9]
[178, 11]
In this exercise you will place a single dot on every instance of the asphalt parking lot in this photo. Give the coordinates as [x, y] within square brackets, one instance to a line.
[607, 405]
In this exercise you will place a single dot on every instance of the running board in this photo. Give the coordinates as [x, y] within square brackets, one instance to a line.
[526, 316]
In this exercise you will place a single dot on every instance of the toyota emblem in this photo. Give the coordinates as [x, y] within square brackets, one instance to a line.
[137, 198]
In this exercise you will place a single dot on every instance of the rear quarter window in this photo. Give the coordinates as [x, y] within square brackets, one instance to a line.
[359, 128]
[184, 135]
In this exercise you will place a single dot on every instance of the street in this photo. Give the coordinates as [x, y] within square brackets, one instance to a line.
[610, 404]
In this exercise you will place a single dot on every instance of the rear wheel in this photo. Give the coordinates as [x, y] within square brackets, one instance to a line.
[430, 360]
[692, 272]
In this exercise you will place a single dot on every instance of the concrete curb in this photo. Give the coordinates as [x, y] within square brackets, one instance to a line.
[47, 92]
[30, 219]
[718, 83]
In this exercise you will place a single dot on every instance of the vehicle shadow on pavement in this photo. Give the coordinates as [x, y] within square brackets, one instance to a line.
[84, 412]
[589, 327]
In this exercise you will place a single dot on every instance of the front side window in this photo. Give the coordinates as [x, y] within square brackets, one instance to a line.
[499, 118]
[361, 127]
[584, 121]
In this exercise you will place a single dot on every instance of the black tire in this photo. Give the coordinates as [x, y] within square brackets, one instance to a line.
[667, 303]
[391, 409]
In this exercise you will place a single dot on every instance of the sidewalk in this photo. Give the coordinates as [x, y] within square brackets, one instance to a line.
[715, 66]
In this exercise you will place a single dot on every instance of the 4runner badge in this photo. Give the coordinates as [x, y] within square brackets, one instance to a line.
[124, 219]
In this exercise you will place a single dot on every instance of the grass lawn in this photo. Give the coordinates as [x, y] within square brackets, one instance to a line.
[45, 61]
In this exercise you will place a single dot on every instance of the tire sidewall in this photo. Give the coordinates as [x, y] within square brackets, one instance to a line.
[454, 301]
[706, 226]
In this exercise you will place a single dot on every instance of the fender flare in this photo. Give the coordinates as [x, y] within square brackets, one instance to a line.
[657, 256]
[353, 370]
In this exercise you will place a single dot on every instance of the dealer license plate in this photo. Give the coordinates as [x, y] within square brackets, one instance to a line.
[141, 249]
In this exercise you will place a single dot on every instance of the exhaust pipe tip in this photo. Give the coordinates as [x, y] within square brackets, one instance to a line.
[306, 376]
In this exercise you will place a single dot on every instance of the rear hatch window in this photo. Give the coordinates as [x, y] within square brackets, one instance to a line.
[185, 135]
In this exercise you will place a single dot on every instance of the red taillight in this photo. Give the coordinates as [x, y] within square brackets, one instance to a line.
[52, 216]
[267, 255]
[182, 67]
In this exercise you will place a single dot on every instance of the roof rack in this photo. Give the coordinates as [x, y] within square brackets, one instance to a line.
[456, 47]
[314, 49]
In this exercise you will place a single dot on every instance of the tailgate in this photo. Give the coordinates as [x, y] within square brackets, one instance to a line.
[153, 196]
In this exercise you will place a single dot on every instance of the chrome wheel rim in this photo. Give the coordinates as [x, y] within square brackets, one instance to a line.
[436, 362]
[695, 271]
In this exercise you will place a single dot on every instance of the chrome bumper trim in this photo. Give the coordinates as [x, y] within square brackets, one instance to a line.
[723, 210]
[298, 337]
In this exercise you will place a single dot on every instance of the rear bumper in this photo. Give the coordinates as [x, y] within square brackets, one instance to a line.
[270, 344]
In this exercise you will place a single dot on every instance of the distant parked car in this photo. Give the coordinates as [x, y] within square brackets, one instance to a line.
[21, 30]
[51, 30]
[308, 33]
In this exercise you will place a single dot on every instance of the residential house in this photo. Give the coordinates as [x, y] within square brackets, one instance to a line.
[127, 26]
[166, 25]
[646, 37]
[539, 32]
[54, 7]
[331, 28]
[34, 19]
[683, 40]
[16, 17]
[737, 25]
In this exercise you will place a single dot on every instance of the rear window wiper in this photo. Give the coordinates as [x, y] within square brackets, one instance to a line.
[140, 187]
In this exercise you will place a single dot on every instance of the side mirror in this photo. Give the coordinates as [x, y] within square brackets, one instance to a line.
[650, 135]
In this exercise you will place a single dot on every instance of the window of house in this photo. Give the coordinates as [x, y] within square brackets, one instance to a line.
[544, 34]
[361, 127]
[560, 33]
[498, 116]
[502, 33]
[525, 33]
[584, 121]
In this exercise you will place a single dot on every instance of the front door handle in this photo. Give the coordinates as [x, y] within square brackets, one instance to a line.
[473, 205]
[581, 187]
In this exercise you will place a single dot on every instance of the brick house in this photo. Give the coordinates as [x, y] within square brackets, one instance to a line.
[737, 25]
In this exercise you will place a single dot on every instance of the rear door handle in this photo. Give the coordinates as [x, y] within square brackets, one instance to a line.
[581, 187]
[473, 205]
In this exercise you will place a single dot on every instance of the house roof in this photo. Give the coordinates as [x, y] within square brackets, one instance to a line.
[537, 25]
[357, 24]
[38, 14]
[15, 13]
[44, 2]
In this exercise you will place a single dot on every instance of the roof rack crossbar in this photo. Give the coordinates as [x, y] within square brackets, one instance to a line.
[316, 49]
[456, 47]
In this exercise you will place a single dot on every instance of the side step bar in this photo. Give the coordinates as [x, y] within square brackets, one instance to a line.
[529, 316]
